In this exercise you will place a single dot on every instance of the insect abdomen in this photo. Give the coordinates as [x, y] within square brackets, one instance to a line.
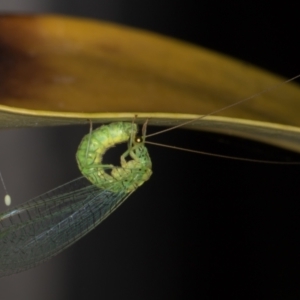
[94, 145]
[130, 175]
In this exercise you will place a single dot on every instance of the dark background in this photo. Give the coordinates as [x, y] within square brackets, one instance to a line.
[202, 227]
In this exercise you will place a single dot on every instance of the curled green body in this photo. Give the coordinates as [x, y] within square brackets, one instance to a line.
[135, 163]
[33, 232]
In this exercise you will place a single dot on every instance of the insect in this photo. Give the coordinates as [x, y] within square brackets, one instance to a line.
[41, 228]
[44, 226]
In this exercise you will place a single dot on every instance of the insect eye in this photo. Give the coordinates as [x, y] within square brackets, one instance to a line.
[138, 139]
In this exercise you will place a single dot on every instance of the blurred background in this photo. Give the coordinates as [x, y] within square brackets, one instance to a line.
[206, 228]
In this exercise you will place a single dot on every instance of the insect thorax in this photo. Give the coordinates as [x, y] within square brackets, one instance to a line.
[135, 163]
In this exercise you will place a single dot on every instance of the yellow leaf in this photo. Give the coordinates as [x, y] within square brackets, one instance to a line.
[59, 70]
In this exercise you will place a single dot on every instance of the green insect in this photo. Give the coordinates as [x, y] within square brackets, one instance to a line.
[131, 174]
[41, 228]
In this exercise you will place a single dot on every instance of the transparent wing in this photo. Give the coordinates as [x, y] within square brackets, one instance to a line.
[41, 228]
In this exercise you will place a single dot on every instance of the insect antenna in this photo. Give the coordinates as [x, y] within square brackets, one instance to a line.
[225, 156]
[271, 88]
